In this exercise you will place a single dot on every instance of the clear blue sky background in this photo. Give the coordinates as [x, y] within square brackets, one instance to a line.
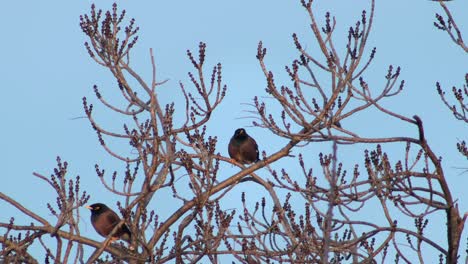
[45, 71]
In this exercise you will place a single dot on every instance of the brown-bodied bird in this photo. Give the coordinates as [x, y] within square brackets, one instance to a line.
[104, 220]
[243, 148]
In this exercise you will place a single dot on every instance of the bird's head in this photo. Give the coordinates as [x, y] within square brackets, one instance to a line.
[240, 133]
[97, 208]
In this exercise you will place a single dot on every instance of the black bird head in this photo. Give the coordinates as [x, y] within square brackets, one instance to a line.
[242, 147]
[240, 134]
[97, 208]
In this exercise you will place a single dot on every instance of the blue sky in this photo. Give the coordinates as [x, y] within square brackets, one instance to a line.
[45, 71]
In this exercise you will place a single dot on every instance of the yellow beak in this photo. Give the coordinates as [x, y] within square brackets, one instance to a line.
[89, 207]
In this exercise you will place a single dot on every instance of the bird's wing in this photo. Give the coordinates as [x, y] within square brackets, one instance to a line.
[232, 149]
[112, 218]
[254, 143]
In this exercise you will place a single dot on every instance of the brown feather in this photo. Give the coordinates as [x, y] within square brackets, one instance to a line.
[104, 221]
[243, 148]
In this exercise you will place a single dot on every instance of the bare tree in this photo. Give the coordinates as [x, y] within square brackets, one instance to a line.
[309, 215]
[460, 108]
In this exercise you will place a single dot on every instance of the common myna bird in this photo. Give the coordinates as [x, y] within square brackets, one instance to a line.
[104, 220]
[243, 148]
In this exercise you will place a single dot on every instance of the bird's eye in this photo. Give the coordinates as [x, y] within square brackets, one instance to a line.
[97, 208]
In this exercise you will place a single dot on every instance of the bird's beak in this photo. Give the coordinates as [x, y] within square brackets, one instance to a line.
[89, 207]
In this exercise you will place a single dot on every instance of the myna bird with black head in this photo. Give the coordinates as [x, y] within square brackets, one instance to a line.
[104, 221]
[243, 148]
